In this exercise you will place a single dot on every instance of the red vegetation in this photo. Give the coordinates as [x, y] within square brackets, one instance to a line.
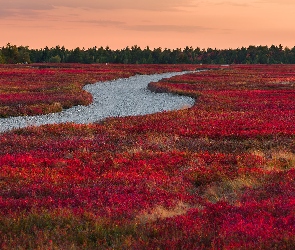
[45, 88]
[241, 101]
[219, 175]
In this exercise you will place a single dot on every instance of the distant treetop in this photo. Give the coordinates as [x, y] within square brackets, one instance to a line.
[11, 54]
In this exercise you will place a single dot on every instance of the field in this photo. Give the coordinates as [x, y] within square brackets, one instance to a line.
[219, 175]
[45, 88]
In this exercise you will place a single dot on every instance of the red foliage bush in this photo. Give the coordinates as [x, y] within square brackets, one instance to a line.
[219, 175]
[45, 88]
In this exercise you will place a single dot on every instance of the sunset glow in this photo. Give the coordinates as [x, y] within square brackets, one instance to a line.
[166, 23]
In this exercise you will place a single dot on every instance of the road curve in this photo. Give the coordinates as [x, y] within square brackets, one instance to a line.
[117, 98]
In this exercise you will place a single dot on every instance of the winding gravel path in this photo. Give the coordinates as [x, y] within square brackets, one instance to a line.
[117, 98]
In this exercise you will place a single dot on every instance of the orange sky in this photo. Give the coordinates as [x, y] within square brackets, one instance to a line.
[154, 23]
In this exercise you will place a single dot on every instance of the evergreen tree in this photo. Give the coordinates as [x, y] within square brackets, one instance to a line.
[252, 54]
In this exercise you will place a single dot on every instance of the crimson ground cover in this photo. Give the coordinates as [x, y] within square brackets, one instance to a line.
[219, 175]
[45, 88]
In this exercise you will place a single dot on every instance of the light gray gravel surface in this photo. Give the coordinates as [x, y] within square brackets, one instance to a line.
[117, 98]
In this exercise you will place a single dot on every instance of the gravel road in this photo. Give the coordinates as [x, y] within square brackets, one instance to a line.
[117, 98]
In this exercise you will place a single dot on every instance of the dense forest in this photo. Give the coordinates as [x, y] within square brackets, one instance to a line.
[251, 55]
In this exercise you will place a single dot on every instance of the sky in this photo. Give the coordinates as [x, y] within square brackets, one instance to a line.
[169, 24]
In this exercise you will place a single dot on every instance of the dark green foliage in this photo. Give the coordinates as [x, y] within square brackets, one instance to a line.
[136, 55]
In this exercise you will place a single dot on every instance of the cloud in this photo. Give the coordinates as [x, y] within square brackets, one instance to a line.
[30, 9]
[232, 3]
[25, 5]
[96, 4]
[167, 28]
[277, 1]
[5, 13]
[103, 23]
[247, 3]
[125, 4]
[145, 27]
[49, 9]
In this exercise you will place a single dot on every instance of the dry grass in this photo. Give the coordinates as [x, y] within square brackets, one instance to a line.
[282, 160]
[230, 190]
[159, 212]
[277, 159]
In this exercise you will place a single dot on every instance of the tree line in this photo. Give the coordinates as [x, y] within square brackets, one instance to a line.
[11, 54]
